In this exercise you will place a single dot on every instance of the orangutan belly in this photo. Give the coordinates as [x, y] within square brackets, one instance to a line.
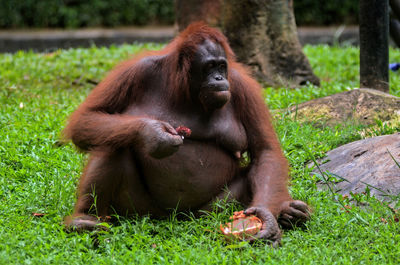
[191, 177]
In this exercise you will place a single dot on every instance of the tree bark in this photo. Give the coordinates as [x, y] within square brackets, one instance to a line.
[374, 44]
[188, 11]
[262, 33]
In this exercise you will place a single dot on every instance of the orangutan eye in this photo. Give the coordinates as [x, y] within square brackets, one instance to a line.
[210, 65]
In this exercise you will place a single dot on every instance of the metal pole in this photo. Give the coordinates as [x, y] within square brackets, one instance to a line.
[394, 23]
[374, 47]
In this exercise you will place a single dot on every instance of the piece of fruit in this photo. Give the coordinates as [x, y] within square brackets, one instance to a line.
[183, 131]
[242, 226]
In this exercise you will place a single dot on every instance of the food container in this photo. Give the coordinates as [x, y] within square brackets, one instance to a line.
[242, 226]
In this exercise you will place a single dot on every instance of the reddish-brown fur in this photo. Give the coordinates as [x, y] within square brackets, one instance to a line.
[113, 125]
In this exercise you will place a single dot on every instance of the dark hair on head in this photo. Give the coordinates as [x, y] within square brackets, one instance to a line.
[181, 51]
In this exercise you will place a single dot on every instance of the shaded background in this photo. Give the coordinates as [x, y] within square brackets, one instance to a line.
[104, 13]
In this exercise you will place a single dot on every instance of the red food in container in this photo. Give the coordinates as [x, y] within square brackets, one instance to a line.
[242, 226]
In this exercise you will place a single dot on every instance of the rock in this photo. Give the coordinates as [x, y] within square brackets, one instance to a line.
[365, 163]
[358, 106]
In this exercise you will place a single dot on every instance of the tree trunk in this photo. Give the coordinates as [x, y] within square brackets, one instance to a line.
[374, 44]
[188, 11]
[262, 33]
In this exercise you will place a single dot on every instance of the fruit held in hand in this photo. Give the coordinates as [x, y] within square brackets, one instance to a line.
[183, 131]
[242, 226]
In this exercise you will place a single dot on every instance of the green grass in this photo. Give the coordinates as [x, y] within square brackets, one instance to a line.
[39, 91]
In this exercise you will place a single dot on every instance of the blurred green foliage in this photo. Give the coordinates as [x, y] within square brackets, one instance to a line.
[89, 13]
[92, 13]
[311, 12]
